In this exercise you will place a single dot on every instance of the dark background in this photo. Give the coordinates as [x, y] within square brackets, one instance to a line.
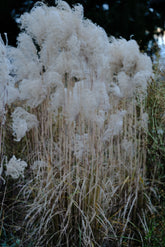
[138, 19]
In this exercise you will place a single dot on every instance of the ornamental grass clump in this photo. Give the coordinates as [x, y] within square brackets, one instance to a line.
[81, 110]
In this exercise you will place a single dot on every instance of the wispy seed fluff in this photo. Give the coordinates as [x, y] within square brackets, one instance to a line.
[15, 168]
[8, 92]
[22, 122]
[69, 60]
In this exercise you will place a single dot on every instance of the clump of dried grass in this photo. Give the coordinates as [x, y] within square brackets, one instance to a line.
[82, 114]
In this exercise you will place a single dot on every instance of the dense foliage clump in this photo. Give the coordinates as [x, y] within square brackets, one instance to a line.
[76, 102]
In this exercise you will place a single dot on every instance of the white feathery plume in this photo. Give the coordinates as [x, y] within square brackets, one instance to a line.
[33, 91]
[15, 168]
[115, 125]
[22, 122]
